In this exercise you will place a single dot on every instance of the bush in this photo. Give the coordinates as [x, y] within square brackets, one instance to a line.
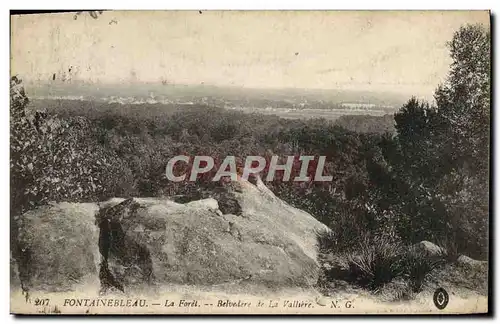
[379, 264]
[326, 241]
[54, 159]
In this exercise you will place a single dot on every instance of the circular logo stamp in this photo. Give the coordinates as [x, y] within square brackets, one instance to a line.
[441, 298]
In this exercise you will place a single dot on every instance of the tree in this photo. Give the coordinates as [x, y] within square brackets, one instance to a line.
[464, 102]
[439, 159]
[464, 99]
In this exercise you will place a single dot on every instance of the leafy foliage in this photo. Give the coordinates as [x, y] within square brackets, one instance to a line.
[56, 159]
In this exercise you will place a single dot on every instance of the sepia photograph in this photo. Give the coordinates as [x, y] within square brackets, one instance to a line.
[250, 162]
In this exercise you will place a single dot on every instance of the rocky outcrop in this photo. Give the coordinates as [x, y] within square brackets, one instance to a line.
[139, 243]
[467, 261]
[58, 247]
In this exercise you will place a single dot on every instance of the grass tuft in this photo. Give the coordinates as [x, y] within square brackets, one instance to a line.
[379, 264]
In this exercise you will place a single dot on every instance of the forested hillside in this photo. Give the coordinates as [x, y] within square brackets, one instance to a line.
[427, 180]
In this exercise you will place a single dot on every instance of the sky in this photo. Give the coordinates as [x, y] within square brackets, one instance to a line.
[365, 50]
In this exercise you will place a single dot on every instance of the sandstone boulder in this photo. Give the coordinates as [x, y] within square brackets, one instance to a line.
[58, 247]
[153, 241]
[141, 243]
[467, 261]
[429, 249]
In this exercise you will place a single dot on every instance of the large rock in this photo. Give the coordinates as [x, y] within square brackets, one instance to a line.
[141, 243]
[58, 247]
[467, 261]
[153, 241]
[429, 249]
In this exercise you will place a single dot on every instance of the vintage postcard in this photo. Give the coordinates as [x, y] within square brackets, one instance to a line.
[250, 162]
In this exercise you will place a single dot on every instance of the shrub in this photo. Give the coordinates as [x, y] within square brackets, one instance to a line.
[54, 159]
[376, 262]
[417, 268]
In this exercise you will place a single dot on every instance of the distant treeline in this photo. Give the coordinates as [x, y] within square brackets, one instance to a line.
[66, 107]
[367, 123]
